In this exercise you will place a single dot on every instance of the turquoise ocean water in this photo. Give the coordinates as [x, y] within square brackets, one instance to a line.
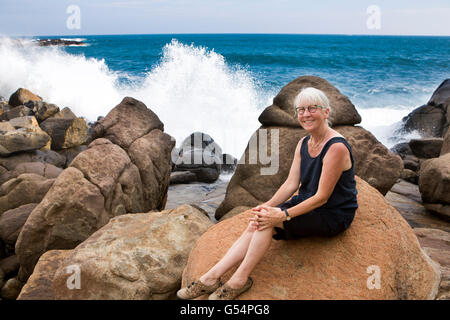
[220, 83]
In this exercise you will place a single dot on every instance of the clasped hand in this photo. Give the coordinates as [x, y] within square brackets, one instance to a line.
[265, 217]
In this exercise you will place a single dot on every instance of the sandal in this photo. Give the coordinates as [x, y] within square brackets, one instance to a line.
[227, 293]
[196, 289]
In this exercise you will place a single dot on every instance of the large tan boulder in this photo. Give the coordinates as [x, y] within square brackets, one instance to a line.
[4, 107]
[133, 257]
[65, 133]
[281, 112]
[45, 156]
[68, 214]
[65, 113]
[379, 245]
[116, 176]
[249, 187]
[124, 172]
[138, 130]
[446, 145]
[10, 265]
[151, 155]
[374, 163]
[12, 221]
[39, 285]
[70, 153]
[2, 278]
[26, 188]
[436, 243]
[46, 170]
[21, 96]
[234, 212]
[126, 122]
[21, 134]
[85, 196]
[434, 180]
[2, 170]
[16, 112]
[42, 110]
[11, 289]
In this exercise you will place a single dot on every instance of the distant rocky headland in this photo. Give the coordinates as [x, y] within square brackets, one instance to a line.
[115, 203]
[59, 42]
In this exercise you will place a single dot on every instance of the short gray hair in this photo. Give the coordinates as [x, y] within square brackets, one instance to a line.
[312, 96]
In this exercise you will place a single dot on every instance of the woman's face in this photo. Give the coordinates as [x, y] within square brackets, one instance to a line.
[311, 120]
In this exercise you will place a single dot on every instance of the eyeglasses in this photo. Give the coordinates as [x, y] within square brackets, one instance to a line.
[311, 109]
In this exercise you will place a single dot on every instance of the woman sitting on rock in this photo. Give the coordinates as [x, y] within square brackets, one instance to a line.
[325, 204]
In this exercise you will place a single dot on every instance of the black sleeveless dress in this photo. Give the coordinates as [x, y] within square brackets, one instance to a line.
[333, 217]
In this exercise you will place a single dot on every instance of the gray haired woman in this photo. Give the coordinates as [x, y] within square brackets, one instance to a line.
[325, 205]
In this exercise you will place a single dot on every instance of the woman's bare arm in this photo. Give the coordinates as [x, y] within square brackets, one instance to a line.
[334, 163]
[292, 181]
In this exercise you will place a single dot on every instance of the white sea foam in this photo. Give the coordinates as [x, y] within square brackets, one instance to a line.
[87, 86]
[194, 89]
[191, 89]
[74, 39]
[78, 45]
[385, 122]
[226, 177]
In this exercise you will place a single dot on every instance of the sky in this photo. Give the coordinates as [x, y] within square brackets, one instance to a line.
[94, 17]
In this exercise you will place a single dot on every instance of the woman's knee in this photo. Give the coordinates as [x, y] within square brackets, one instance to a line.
[251, 227]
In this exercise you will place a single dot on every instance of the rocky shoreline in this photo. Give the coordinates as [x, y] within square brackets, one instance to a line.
[117, 200]
[59, 42]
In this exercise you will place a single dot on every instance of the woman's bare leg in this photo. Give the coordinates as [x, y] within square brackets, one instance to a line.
[233, 256]
[258, 246]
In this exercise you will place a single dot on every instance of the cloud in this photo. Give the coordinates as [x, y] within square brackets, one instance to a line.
[428, 12]
[127, 4]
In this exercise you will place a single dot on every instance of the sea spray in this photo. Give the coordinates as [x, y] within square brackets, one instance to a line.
[190, 89]
[194, 89]
[386, 124]
[86, 85]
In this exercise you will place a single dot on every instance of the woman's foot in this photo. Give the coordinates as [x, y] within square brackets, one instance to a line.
[208, 280]
[226, 292]
[196, 289]
[236, 283]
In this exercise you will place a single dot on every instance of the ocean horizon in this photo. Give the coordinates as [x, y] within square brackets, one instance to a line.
[227, 33]
[220, 83]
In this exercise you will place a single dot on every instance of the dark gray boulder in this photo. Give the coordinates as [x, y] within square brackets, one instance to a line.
[201, 155]
[426, 148]
[432, 119]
